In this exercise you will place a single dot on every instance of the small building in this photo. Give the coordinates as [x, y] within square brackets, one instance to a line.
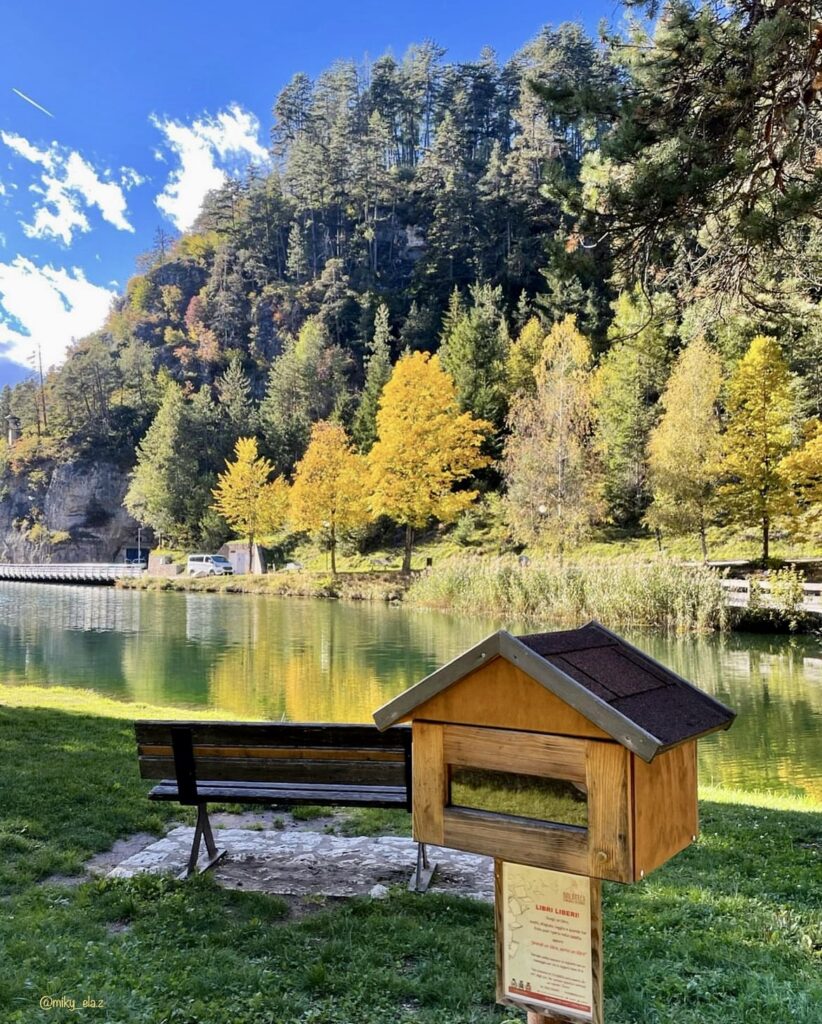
[14, 431]
[570, 750]
[236, 551]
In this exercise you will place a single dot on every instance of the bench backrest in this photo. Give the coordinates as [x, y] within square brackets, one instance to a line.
[284, 752]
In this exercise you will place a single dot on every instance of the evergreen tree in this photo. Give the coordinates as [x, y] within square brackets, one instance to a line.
[420, 328]
[708, 175]
[306, 383]
[297, 259]
[167, 491]
[378, 372]
[473, 351]
[236, 406]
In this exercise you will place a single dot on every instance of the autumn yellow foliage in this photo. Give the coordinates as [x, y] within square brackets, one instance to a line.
[328, 494]
[425, 445]
[246, 498]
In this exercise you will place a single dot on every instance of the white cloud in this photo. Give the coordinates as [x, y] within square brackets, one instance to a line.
[28, 151]
[69, 186]
[46, 306]
[232, 136]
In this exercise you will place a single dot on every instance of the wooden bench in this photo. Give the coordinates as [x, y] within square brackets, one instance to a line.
[283, 763]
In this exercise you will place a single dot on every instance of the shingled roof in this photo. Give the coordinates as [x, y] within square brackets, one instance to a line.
[636, 700]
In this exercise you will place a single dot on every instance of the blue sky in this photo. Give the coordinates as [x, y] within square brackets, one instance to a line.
[151, 104]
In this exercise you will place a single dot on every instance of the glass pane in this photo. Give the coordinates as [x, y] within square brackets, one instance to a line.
[527, 796]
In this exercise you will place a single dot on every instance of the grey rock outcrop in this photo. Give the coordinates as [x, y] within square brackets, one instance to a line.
[70, 512]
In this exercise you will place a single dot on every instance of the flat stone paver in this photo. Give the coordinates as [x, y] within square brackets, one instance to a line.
[301, 863]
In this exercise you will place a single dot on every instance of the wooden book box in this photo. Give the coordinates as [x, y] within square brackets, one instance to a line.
[572, 751]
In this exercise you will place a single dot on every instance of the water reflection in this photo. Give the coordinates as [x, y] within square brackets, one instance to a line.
[315, 661]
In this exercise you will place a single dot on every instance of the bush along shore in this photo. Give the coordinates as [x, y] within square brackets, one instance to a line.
[728, 932]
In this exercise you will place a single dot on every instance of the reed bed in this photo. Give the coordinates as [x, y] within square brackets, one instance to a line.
[658, 594]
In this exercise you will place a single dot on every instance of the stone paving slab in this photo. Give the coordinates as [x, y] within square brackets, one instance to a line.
[304, 863]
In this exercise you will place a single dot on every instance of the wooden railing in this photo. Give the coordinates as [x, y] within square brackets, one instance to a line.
[738, 595]
[77, 572]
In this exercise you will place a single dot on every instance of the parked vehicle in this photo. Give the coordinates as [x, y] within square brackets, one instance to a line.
[209, 565]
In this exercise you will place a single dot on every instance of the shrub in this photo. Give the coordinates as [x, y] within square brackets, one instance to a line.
[658, 594]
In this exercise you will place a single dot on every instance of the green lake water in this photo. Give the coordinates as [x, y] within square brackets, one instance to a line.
[254, 656]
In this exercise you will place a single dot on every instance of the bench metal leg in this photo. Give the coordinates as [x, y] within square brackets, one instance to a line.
[423, 872]
[202, 830]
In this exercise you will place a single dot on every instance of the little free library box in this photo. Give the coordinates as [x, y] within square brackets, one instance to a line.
[571, 751]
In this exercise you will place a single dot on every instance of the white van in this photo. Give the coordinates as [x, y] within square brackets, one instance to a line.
[209, 565]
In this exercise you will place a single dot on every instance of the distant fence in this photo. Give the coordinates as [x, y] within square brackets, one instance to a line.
[738, 595]
[77, 572]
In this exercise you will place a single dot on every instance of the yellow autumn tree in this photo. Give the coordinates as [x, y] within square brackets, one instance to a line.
[801, 472]
[246, 498]
[328, 493]
[685, 447]
[523, 357]
[424, 446]
[761, 407]
[549, 463]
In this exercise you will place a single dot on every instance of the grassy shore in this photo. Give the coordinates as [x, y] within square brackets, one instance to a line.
[658, 593]
[730, 931]
[351, 586]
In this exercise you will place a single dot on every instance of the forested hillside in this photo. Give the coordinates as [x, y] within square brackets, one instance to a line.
[589, 256]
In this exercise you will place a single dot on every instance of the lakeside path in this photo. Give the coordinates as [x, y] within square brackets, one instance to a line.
[730, 931]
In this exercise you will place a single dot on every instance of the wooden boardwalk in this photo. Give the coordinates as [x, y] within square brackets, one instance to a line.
[77, 572]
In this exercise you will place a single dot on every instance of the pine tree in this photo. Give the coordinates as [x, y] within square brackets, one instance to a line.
[685, 447]
[167, 490]
[249, 502]
[297, 258]
[420, 328]
[236, 406]
[306, 383]
[328, 493]
[473, 351]
[378, 372]
[425, 445]
[761, 407]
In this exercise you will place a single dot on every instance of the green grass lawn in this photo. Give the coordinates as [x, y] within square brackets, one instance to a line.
[728, 932]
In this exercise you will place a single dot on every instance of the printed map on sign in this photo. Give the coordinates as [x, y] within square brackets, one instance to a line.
[546, 941]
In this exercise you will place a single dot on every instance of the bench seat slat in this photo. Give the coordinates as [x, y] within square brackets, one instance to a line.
[277, 793]
[280, 753]
[240, 769]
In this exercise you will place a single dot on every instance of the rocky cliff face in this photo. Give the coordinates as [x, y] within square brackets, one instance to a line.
[69, 512]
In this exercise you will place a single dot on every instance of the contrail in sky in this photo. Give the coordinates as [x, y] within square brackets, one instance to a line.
[28, 99]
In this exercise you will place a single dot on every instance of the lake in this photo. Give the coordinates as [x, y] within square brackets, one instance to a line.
[303, 660]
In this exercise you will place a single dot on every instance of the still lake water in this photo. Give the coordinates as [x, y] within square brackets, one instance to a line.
[256, 656]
